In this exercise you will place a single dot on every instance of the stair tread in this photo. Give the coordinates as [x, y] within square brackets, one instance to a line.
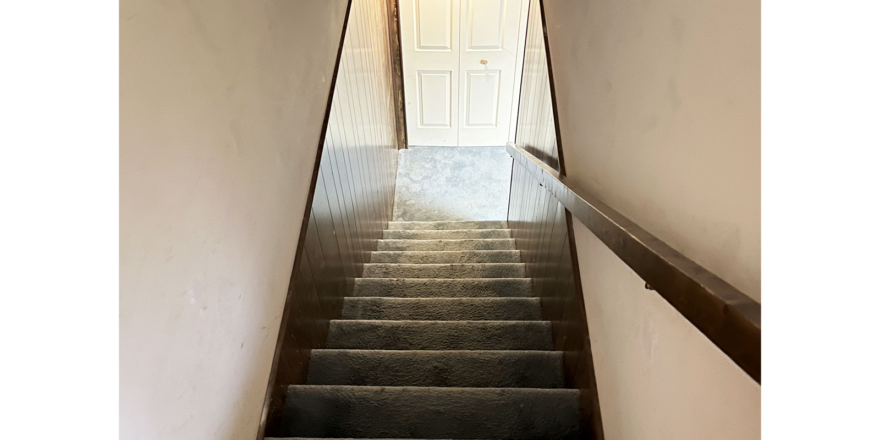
[442, 287]
[431, 412]
[432, 234]
[442, 225]
[448, 368]
[437, 257]
[444, 270]
[447, 244]
[440, 335]
[445, 309]
[456, 265]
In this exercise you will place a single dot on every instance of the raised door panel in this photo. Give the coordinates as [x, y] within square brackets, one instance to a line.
[433, 22]
[485, 25]
[429, 33]
[481, 108]
[435, 99]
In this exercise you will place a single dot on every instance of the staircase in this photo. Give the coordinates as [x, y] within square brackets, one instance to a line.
[440, 340]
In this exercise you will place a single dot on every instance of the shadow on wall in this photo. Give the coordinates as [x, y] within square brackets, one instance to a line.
[452, 184]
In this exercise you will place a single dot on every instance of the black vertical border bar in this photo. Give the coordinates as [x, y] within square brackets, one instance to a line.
[288, 302]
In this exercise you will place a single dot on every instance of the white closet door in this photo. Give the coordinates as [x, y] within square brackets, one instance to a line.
[489, 39]
[460, 68]
[430, 47]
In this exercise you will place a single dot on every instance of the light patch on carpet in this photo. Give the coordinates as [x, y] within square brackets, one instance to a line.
[452, 184]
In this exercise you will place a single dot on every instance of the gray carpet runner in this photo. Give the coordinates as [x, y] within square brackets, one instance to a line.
[441, 339]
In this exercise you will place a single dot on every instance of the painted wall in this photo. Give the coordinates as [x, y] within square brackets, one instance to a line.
[657, 376]
[659, 112]
[221, 106]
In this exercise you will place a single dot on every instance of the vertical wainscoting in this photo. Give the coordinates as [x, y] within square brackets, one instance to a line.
[352, 202]
[536, 124]
[542, 226]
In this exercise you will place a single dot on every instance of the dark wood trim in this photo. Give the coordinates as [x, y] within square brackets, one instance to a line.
[559, 155]
[302, 233]
[725, 315]
[397, 72]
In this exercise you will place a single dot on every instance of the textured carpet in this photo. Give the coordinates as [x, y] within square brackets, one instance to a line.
[452, 183]
[441, 339]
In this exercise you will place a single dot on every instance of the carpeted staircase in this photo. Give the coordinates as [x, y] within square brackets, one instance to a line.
[440, 340]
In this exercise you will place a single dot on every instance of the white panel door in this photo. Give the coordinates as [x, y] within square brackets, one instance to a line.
[460, 66]
[489, 40]
[429, 40]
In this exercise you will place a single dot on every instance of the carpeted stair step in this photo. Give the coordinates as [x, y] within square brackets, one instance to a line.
[466, 270]
[447, 245]
[443, 309]
[439, 335]
[448, 225]
[443, 288]
[425, 368]
[431, 412]
[439, 257]
[420, 234]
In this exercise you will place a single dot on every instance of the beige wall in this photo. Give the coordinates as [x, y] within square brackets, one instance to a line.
[221, 106]
[659, 112]
[657, 376]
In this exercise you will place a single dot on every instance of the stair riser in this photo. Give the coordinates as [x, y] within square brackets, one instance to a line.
[439, 257]
[440, 335]
[435, 226]
[470, 270]
[443, 288]
[443, 309]
[475, 234]
[499, 369]
[447, 245]
[431, 413]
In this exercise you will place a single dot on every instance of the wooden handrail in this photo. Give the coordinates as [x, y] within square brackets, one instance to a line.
[729, 318]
